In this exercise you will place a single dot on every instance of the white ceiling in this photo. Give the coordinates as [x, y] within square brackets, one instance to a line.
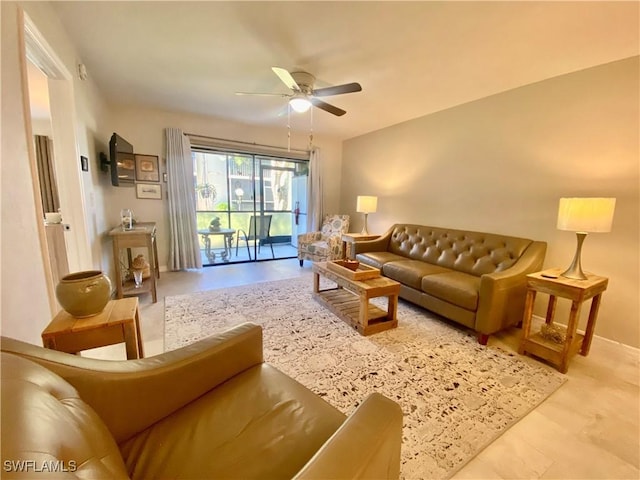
[411, 58]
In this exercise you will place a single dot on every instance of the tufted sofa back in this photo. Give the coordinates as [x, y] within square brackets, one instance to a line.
[469, 252]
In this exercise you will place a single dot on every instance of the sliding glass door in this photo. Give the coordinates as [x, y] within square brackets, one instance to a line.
[248, 206]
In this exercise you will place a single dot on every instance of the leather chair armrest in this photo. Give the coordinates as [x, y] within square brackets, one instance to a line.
[502, 294]
[131, 395]
[367, 445]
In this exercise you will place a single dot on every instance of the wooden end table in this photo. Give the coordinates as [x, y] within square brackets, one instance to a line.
[350, 300]
[348, 239]
[118, 322]
[578, 291]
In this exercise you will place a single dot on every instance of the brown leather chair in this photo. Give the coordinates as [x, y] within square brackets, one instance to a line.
[210, 410]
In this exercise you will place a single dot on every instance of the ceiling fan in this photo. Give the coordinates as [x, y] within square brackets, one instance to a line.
[304, 95]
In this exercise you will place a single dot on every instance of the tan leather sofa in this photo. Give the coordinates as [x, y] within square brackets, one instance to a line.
[211, 410]
[476, 279]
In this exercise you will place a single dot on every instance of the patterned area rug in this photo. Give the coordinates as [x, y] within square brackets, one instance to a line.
[457, 396]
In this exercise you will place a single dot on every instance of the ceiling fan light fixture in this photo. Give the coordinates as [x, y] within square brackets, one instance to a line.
[300, 103]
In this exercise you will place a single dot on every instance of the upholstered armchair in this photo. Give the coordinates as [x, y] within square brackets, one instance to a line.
[327, 243]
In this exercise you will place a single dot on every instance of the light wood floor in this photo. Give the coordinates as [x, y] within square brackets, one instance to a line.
[588, 429]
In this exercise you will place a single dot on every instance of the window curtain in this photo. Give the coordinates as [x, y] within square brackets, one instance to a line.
[46, 174]
[184, 248]
[314, 192]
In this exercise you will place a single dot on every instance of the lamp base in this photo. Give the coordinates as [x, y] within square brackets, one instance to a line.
[575, 269]
[365, 230]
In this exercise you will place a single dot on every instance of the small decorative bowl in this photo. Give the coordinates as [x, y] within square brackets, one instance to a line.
[351, 264]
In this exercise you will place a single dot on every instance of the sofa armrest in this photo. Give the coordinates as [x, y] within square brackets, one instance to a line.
[131, 395]
[380, 244]
[367, 445]
[502, 294]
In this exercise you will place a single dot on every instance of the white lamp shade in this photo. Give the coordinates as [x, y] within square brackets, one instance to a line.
[366, 204]
[586, 214]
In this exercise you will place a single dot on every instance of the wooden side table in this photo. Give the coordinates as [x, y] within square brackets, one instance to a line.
[143, 234]
[118, 322]
[348, 239]
[578, 291]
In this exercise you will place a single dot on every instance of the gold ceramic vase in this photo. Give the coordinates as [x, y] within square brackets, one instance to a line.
[84, 294]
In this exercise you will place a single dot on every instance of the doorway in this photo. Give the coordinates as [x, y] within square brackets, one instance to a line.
[248, 206]
[43, 145]
[59, 85]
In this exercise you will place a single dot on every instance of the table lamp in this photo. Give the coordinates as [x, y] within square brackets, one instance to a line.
[584, 215]
[366, 204]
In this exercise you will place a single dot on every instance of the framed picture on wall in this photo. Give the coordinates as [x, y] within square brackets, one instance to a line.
[149, 190]
[147, 168]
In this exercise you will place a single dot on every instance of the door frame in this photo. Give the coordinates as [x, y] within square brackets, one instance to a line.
[35, 48]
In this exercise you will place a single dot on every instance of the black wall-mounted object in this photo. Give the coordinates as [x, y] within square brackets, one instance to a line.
[122, 161]
[104, 162]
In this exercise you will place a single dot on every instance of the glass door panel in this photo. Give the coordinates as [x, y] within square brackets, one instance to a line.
[232, 188]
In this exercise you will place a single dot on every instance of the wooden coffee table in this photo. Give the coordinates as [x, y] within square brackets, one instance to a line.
[350, 300]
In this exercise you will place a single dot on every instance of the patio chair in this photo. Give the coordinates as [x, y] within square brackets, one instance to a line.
[326, 244]
[258, 232]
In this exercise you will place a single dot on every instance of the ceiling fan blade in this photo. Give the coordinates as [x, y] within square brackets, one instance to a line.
[337, 90]
[264, 94]
[286, 78]
[327, 108]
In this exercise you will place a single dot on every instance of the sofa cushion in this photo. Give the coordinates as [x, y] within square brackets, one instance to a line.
[259, 424]
[457, 288]
[44, 421]
[410, 272]
[378, 259]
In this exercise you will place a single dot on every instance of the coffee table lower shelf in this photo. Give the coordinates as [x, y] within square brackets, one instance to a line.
[346, 306]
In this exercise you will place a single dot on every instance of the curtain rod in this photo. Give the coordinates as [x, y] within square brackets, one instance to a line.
[239, 142]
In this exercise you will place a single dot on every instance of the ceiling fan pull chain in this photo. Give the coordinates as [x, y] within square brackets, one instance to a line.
[311, 130]
[288, 127]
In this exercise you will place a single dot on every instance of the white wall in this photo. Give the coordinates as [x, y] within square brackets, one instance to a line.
[25, 304]
[144, 129]
[500, 164]
[41, 126]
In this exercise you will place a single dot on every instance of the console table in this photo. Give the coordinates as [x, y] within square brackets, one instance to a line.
[143, 234]
[578, 291]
